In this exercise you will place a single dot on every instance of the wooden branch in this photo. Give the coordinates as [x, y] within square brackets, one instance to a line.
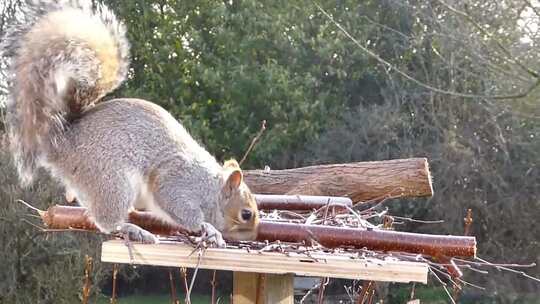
[319, 264]
[285, 202]
[67, 217]
[361, 181]
[298, 202]
[378, 240]
[64, 217]
[88, 263]
[254, 141]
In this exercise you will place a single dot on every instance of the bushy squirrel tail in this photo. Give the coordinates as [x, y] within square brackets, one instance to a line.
[62, 60]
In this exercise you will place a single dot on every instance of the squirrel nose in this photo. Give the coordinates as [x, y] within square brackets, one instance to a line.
[246, 214]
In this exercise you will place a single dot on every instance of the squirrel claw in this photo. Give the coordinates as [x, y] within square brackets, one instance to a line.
[212, 235]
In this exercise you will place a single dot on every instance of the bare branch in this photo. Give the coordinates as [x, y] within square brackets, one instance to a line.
[253, 142]
[418, 82]
[490, 35]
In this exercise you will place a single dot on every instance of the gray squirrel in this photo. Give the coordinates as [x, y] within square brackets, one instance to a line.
[112, 155]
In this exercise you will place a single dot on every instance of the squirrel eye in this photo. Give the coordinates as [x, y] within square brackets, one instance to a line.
[246, 214]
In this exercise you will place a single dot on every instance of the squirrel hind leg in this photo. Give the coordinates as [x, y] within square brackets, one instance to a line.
[135, 233]
[109, 207]
[125, 230]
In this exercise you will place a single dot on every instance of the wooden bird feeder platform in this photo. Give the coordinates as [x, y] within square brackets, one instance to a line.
[275, 269]
[240, 260]
[267, 276]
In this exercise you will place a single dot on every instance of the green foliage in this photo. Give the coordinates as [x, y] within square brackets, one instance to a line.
[223, 67]
[36, 266]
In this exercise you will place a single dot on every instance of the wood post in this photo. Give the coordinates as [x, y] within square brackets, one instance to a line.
[262, 288]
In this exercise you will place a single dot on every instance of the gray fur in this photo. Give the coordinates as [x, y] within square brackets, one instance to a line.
[36, 113]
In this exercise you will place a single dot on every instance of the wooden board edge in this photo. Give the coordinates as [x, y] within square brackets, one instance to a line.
[177, 255]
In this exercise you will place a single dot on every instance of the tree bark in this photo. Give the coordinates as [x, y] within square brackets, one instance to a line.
[360, 181]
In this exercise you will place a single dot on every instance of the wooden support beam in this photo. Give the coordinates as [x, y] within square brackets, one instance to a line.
[250, 288]
[247, 287]
[360, 181]
[319, 264]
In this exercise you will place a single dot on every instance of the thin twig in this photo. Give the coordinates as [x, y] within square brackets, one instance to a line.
[253, 141]
[366, 289]
[378, 201]
[418, 221]
[350, 291]
[183, 273]
[199, 259]
[443, 285]
[495, 264]
[310, 291]
[326, 211]
[470, 284]
[468, 222]
[114, 275]
[522, 273]
[413, 289]
[87, 282]
[447, 276]
[371, 296]
[214, 284]
[39, 211]
[173, 287]
[324, 282]
[41, 229]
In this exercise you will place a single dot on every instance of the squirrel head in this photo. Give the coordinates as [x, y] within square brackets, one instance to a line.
[239, 205]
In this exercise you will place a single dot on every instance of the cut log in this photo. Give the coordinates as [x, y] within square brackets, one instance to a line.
[361, 181]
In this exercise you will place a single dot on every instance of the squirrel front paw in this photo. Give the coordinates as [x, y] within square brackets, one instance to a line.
[212, 235]
[136, 234]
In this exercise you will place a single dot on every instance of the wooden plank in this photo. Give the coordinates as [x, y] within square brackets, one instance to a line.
[327, 265]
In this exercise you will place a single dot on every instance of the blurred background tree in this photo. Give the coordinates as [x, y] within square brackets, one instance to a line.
[339, 81]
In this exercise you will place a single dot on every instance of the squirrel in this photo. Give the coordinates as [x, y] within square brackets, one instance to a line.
[112, 155]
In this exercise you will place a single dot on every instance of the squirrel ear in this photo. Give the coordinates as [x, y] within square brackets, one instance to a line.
[231, 164]
[234, 180]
